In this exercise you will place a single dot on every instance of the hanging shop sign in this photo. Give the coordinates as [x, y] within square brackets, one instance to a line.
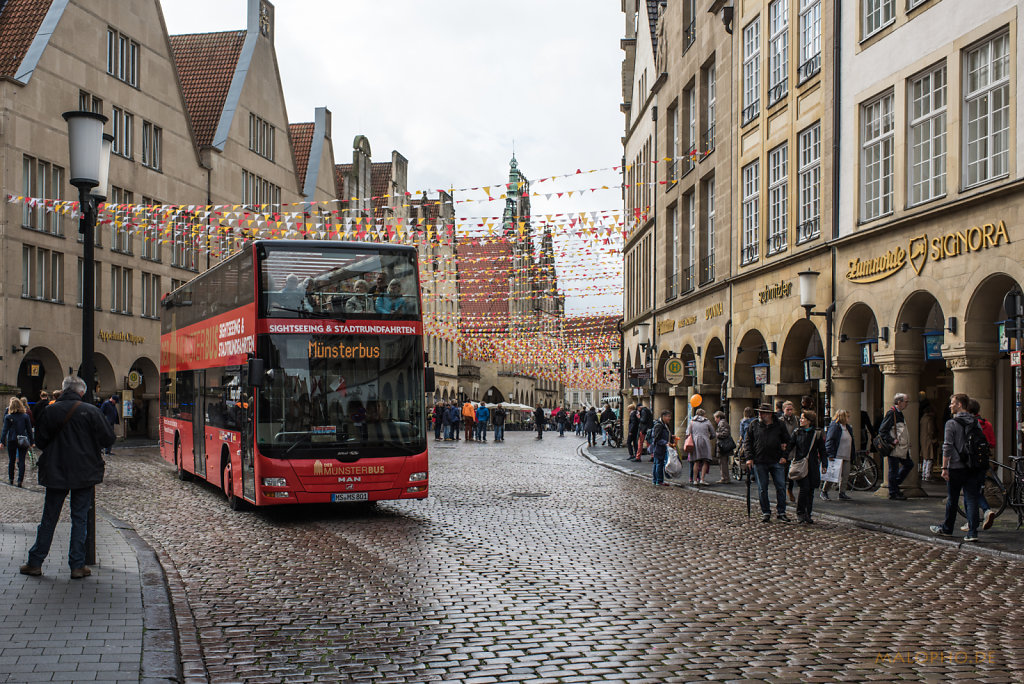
[674, 371]
[779, 290]
[922, 249]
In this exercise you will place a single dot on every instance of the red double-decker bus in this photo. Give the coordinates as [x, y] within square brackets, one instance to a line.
[293, 372]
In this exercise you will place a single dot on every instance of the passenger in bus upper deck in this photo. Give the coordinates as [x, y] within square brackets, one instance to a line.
[359, 302]
[292, 296]
[393, 301]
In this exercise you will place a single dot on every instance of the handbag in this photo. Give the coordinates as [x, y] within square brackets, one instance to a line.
[688, 445]
[727, 444]
[24, 442]
[882, 445]
[798, 469]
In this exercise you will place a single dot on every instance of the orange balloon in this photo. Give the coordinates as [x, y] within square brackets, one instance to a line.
[695, 400]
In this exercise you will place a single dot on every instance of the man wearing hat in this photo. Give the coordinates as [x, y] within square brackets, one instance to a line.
[767, 442]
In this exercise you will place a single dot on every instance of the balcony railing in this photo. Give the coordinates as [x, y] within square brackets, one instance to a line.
[672, 173]
[778, 91]
[707, 141]
[776, 242]
[468, 371]
[686, 280]
[751, 111]
[808, 230]
[671, 287]
[809, 68]
[707, 268]
[748, 254]
[688, 162]
[689, 35]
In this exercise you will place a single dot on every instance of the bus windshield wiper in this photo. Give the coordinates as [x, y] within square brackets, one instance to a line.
[301, 440]
[314, 314]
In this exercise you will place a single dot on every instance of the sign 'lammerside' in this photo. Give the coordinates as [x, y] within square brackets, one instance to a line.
[922, 249]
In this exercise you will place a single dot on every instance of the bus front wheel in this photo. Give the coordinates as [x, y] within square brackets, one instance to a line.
[228, 485]
[183, 474]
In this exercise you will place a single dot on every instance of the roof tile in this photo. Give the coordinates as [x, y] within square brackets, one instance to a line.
[19, 23]
[301, 135]
[206, 64]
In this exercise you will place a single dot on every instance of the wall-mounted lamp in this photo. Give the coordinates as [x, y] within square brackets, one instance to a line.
[883, 334]
[722, 366]
[23, 336]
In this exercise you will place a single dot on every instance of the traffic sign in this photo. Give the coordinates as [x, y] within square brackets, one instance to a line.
[1015, 359]
[674, 371]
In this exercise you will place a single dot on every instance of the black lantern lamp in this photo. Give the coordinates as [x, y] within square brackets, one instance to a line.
[760, 373]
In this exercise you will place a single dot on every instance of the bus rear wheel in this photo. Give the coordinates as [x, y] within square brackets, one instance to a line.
[182, 474]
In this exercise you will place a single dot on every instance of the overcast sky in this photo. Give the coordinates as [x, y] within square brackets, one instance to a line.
[451, 84]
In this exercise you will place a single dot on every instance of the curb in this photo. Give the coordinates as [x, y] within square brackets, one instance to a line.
[160, 645]
[862, 524]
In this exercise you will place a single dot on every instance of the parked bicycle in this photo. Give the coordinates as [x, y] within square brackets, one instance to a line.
[863, 472]
[998, 495]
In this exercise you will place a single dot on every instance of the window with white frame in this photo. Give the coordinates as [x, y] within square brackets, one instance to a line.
[673, 143]
[987, 110]
[707, 260]
[150, 232]
[876, 157]
[876, 15]
[184, 242]
[259, 191]
[97, 279]
[926, 100]
[690, 97]
[42, 274]
[751, 199]
[710, 92]
[751, 70]
[41, 180]
[672, 263]
[122, 57]
[778, 191]
[87, 102]
[122, 219]
[261, 137]
[810, 38]
[911, 4]
[120, 290]
[152, 144]
[150, 295]
[809, 183]
[122, 123]
[778, 50]
[690, 209]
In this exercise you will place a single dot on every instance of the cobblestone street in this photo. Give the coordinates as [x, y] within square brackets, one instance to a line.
[529, 563]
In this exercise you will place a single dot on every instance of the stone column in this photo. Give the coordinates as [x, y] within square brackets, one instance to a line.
[904, 375]
[847, 386]
[682, 402]
[972, 375]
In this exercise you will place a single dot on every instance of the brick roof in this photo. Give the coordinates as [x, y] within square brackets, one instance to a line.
[484, 270]
[301, 135]
[652, 17]
[206, 64]
[19, 23]
[380, 185]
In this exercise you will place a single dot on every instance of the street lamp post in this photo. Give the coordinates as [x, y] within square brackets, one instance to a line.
[89, 150]
[808, 300]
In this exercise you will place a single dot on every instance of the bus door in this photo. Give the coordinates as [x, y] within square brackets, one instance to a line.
[199, 424]
[245, 450]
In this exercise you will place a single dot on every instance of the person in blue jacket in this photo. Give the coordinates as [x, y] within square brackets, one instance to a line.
[17, 423]
[483, 414]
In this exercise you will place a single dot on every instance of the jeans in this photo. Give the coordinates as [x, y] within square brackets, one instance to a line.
[561, 429]
[899, 468]
[499, 433]
[631, 444]
[970, 482]
[777, 471]
[437, 430]
[81, 503]
[591, 439]
[658, 472]
[16, 454]
[481, 431]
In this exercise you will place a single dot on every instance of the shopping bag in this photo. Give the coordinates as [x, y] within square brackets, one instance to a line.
[674, 467]
[835, 469]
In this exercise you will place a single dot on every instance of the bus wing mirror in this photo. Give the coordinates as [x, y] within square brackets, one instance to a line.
[256, 371]
[428, 380]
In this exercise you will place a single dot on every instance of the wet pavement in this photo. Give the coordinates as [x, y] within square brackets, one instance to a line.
[531, 563]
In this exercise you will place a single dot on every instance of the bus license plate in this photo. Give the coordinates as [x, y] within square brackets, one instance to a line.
[351, 496]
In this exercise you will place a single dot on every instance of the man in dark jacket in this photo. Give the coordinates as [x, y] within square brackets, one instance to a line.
[109, 409]
[606, 415]
[498, 419]
[646, 419]
[40, 406]
[957, 473]
[540, 421]
[767, 442]
[71, 434]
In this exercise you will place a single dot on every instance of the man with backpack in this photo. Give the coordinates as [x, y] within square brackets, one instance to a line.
[965, 459]
[646, 419]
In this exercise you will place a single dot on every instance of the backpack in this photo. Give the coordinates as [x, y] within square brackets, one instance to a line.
[976, 452]
[646, 417]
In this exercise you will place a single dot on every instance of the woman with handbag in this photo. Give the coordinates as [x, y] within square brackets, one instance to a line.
[724, 444]
[17, 436]
[807, 464]
[839, 444]
[700, 436]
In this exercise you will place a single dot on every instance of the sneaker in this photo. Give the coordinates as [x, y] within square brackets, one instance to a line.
[965, 527]
[990, 517]
[937, 529]
[783, 517]
[79, 573]
[31, 570]
[824, 496]
[766, 518]
[971, 538]
[845, 497]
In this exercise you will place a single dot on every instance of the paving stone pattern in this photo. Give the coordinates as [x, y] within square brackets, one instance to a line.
[607, 578]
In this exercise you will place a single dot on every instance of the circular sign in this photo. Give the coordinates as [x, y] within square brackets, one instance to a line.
[134, 379]
[674, 372]
[695, 400]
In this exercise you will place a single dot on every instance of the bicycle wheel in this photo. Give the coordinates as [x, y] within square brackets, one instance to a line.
[994, 494]
[863, 474]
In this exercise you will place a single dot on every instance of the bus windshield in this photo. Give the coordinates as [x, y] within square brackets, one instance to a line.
[297, 282]
[358, 396]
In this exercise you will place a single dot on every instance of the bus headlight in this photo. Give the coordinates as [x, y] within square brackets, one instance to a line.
[413, 490]
[276, 495]
[275, 482]
[417, 477]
